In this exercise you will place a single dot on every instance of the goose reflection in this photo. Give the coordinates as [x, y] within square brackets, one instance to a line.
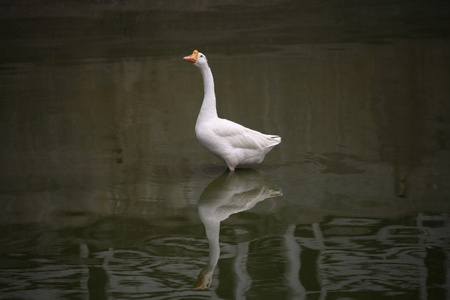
[230, 193]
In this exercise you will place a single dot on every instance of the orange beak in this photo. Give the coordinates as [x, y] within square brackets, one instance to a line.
[199, 284]
[192, 58]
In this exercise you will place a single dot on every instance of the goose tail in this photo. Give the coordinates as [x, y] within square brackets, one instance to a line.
[273, 140]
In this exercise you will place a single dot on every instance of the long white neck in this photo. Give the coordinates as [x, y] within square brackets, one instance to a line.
[212, 233]
[208, 109]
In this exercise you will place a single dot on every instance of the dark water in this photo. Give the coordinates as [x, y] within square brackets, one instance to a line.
[106, 193]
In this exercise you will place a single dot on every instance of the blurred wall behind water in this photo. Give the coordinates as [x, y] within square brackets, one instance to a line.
[95, 93]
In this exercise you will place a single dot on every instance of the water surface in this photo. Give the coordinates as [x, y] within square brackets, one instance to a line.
[107, 194]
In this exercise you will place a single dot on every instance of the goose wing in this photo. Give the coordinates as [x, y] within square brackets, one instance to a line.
[239, 136]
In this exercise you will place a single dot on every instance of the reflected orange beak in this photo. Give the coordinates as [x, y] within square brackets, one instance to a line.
[192, 58]
[199, 284]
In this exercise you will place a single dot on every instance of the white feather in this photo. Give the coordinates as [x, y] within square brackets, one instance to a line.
[231, 142]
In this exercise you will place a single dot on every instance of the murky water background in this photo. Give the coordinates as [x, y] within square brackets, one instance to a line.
[106, 193]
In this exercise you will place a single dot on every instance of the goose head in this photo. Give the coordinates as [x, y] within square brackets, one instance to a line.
[204, 280]
[197, 58]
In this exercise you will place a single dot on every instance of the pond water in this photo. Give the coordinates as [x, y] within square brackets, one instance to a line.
[107, 194]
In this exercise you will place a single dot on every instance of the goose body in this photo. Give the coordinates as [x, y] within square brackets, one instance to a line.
[231, 142]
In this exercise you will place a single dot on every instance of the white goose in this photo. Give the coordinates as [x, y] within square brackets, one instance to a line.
[231, 142]
[230, 193]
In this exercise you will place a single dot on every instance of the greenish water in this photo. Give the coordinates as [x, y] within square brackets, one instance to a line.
[106, 193]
